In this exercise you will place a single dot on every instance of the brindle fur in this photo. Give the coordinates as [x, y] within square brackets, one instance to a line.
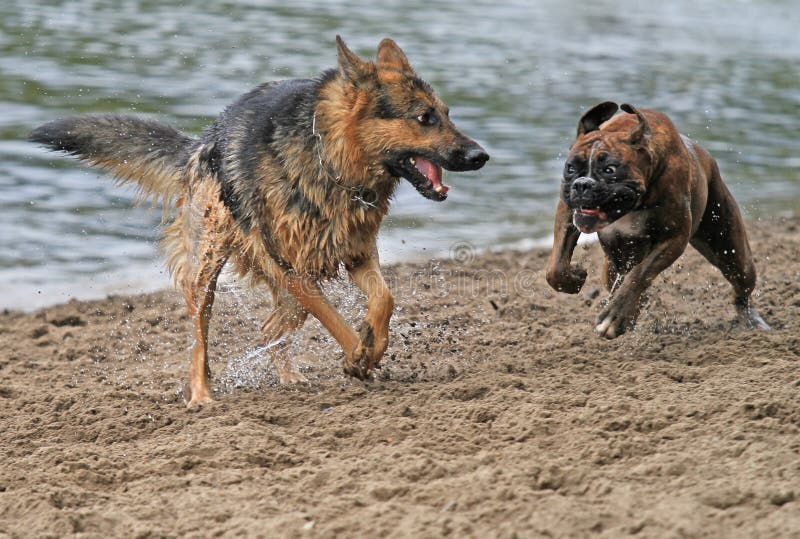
[287, 185]
[682, 201]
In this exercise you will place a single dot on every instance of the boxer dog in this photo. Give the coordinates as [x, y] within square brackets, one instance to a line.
[647, 191]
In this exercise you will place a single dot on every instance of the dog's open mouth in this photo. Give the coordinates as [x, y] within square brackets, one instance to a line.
[589, 220]
[425, 176]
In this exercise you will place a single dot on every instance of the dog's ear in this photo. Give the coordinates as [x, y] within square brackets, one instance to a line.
[392, 57]
[639, 135]
[353, 68]
[595, 116]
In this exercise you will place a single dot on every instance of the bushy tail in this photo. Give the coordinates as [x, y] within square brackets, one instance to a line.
[135, 150]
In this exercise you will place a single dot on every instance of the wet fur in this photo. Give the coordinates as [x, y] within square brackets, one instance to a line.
[276, 187]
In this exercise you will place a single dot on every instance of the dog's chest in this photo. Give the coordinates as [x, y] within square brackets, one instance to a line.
[317, 242]
[630, 226]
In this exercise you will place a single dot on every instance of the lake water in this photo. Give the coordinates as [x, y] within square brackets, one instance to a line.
[516, 75]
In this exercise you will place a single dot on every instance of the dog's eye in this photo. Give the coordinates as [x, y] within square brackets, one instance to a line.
[427, 118]
[609, 170]
[569, 169]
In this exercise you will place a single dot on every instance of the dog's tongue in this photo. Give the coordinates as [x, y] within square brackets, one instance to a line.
[433, 172]
[594, 212]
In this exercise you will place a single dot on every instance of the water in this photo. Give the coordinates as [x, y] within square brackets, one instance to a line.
[517, 76]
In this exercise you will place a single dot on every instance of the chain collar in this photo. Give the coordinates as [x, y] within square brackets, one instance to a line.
[367, 198]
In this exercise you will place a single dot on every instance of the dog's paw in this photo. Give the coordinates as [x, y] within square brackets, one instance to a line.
[618, 317]
[750, 319]
[357, 366]
[361, 361]
[199, 401]
[196, 398]
[357, 370]
[288, 375]
[569, 281]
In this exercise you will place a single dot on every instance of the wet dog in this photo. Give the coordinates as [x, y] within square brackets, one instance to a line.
[648, 192]
[291, 182]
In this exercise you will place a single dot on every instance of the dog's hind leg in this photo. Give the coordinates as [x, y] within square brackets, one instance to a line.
[200, 243]
[199, 294]
[374, 331]
[202, 299]
[722, 240]
[286, 317]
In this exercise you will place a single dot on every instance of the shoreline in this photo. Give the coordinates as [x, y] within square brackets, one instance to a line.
[496, 411]
[135, 283]
[142, 279]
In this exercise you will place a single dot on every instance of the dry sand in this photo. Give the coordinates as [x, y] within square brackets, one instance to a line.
[497, 413]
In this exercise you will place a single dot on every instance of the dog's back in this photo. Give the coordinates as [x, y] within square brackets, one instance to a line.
[272, 120]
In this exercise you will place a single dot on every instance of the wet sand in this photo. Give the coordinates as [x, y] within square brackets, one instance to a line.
[497, 413]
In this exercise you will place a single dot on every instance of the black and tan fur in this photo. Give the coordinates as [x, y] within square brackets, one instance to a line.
[291, 182]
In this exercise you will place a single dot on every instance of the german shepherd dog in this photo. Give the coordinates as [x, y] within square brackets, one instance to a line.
[289, 183]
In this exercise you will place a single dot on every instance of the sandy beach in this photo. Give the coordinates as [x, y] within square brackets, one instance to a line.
[496, 413]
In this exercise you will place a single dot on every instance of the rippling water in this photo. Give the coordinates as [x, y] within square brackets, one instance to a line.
[517, 75]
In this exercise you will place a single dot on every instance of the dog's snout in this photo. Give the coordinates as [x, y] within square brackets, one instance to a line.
[582, 185]
[467, 156]
[476, 157]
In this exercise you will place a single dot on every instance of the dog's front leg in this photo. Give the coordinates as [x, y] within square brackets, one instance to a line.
[622, 309]
[309, 295]
[561, 275]
[374, 332]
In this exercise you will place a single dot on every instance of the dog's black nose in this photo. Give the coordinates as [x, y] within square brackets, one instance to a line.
[582, 185]
[476, 157]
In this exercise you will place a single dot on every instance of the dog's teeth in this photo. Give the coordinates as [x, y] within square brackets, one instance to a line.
[438, 189]
[412, 160]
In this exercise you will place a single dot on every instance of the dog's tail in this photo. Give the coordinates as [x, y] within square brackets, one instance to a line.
[135, 150]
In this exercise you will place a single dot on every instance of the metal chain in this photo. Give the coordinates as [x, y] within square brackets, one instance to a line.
[358, 192]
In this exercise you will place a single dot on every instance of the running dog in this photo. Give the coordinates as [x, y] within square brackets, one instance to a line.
[289, 183]
[648, 192]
